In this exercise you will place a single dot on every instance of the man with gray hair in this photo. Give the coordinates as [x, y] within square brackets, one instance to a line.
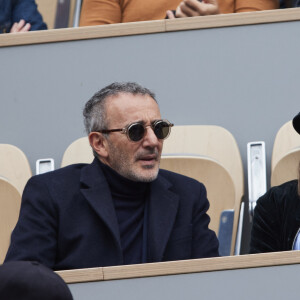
[121, 208]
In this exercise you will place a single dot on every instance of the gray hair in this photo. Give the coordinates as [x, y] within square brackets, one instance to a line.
[94, 112]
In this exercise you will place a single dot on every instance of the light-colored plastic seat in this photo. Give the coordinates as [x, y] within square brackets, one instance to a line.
[218, 182]
[14, 166]
[79, 151]
[285, 155]
[48, 9]
[211, 141]
[10, 201]
[287, 168]
[214, 142]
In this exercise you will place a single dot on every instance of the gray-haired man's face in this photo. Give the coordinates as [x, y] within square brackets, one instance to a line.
[138, 161]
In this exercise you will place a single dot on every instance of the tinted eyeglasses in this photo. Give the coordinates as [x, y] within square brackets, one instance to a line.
[136, 131]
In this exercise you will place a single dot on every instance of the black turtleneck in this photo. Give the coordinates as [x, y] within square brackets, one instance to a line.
[130, 200]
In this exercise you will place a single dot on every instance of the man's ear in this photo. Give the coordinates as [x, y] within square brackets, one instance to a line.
[98, 143]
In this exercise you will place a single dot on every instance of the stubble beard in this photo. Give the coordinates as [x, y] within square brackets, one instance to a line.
[121, 163]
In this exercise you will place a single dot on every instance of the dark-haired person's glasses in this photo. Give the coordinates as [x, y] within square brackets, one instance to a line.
[136, 131]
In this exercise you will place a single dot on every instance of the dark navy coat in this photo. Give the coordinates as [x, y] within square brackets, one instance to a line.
[67, 220]
[12, 11]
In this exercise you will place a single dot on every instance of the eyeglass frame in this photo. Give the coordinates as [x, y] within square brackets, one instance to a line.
[125, 129]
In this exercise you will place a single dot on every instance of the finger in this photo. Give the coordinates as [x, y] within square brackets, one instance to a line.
[14, 28]
[26, 28]
[20, 25]
[214, 2]
[188, 10]
[179, 13]
[207, 7]
[170, 14]
[195, 3]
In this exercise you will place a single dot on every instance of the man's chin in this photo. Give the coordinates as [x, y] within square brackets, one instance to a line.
[147, 178]
[147, 174]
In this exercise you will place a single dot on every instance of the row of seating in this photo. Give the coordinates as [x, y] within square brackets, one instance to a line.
[207, 153]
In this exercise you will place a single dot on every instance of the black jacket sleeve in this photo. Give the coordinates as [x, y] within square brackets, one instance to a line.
[27, 10]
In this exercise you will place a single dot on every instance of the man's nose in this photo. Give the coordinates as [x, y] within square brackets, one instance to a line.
[150, 139]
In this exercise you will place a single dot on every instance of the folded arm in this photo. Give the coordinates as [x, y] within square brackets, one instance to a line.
[26, 11]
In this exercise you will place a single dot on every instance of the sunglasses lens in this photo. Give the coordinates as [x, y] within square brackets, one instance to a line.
[161, 130]
[136, 132]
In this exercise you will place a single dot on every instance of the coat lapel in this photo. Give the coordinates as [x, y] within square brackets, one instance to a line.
[163, 208]
[95, 189]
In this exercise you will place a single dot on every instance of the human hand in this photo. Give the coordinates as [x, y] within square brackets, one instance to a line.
[193, 8]
[170, 14]
[20, 26]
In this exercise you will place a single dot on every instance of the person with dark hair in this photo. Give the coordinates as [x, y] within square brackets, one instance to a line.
[121, 208]
[99, 12]
[276, 222]
[26, 280]
[20, 16]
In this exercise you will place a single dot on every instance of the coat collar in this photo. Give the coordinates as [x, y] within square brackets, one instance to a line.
[163, 208]
[95, 189]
